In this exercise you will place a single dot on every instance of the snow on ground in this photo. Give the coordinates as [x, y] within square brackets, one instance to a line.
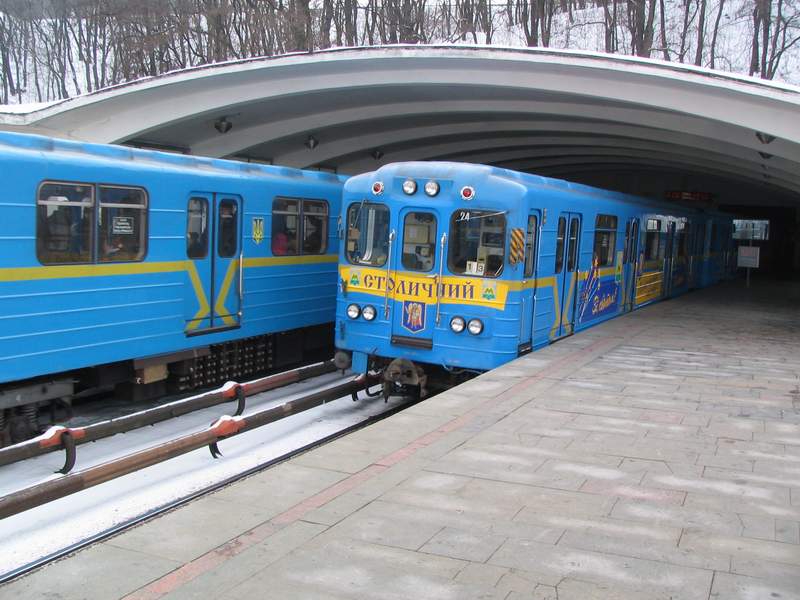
[41, 531]
[21, 109]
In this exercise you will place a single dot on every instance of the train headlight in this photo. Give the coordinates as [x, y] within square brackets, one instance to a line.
[409, 186]
[457, 324]
[369, 313]
[377, 188]
[431, 188]
[475, 326]
[353, 311]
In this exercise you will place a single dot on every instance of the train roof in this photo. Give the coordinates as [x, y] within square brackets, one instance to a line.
[22, 142]
[452, 170]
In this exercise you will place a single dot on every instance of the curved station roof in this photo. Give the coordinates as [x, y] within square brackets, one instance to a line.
[638, 125]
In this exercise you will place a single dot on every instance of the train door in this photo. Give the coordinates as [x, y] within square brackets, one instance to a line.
[566, 276]
[415, 265]
[214, 247]
[669, 259]
[528, 293]
[631, 263]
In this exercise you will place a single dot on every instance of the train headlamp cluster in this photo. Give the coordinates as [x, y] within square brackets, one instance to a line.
[409, 186]
[457, 324]
[368, 312]
[474, 326]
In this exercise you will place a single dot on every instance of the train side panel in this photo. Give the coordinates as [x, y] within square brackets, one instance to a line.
[60, 317]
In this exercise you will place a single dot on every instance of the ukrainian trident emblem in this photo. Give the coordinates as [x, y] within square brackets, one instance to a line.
[413, 316]
[258, 229]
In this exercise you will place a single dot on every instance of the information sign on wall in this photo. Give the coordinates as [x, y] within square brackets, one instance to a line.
[748, 257]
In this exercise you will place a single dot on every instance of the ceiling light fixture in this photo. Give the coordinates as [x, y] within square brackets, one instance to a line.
[765, 138]
[223, 125]
[377, 154]
[312, 142]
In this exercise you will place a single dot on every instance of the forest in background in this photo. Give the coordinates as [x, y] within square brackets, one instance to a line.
[53, 49]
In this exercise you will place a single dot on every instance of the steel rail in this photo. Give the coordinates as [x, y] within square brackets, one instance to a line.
[59, 437]
[159, 510]
[224, 427]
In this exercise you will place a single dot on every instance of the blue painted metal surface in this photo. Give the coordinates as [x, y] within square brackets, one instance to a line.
[518, 313]
[56, 318]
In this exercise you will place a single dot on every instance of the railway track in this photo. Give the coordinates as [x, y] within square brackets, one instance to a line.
[175, 469]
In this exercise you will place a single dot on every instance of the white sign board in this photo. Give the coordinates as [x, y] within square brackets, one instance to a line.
[748, 257]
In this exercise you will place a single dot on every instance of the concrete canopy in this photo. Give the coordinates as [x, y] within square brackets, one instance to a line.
[639, 125]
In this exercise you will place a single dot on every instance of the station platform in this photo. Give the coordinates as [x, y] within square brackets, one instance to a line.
[654, 456]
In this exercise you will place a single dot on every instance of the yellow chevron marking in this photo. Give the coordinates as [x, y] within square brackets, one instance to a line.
[202, 300]
[219, 306]
[556, 309]
[565, 320]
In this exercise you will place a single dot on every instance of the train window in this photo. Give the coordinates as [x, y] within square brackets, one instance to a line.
[299, 226]
[419, 241]
[652, 241]
[560, 236]
[605, 240]
[65, 223]
[572, 259]
[122, 224]
[477, 242]
[367, 234]
[530, 246]
[197, 228]
[315, 226]
[285, 226]
[682, 238]
[714, 238]
[227, 228]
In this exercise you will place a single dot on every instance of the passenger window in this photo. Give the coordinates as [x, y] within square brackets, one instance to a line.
[367, 234]
[197, 228]
[65, 223]
[605, 240]
[530, 246]
[227, 230]
[122, 224]
[573, 245]
[652, 240]
[299, 226]
[285, 225]
[477, 243]
[560, 236]
[315, 226]
[681, 238]
[419, 241]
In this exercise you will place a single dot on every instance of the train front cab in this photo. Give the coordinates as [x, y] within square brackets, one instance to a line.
[425, 277]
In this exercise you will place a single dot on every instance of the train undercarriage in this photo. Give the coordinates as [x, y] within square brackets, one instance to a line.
[28, 407]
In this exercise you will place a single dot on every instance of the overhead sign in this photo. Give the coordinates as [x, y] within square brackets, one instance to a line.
[691, 196]
[748, 257]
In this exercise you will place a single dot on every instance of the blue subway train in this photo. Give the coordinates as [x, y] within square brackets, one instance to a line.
[466, 267]
[145, 271]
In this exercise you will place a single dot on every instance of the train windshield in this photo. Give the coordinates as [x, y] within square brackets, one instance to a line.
[367, 234]
[477, 242]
